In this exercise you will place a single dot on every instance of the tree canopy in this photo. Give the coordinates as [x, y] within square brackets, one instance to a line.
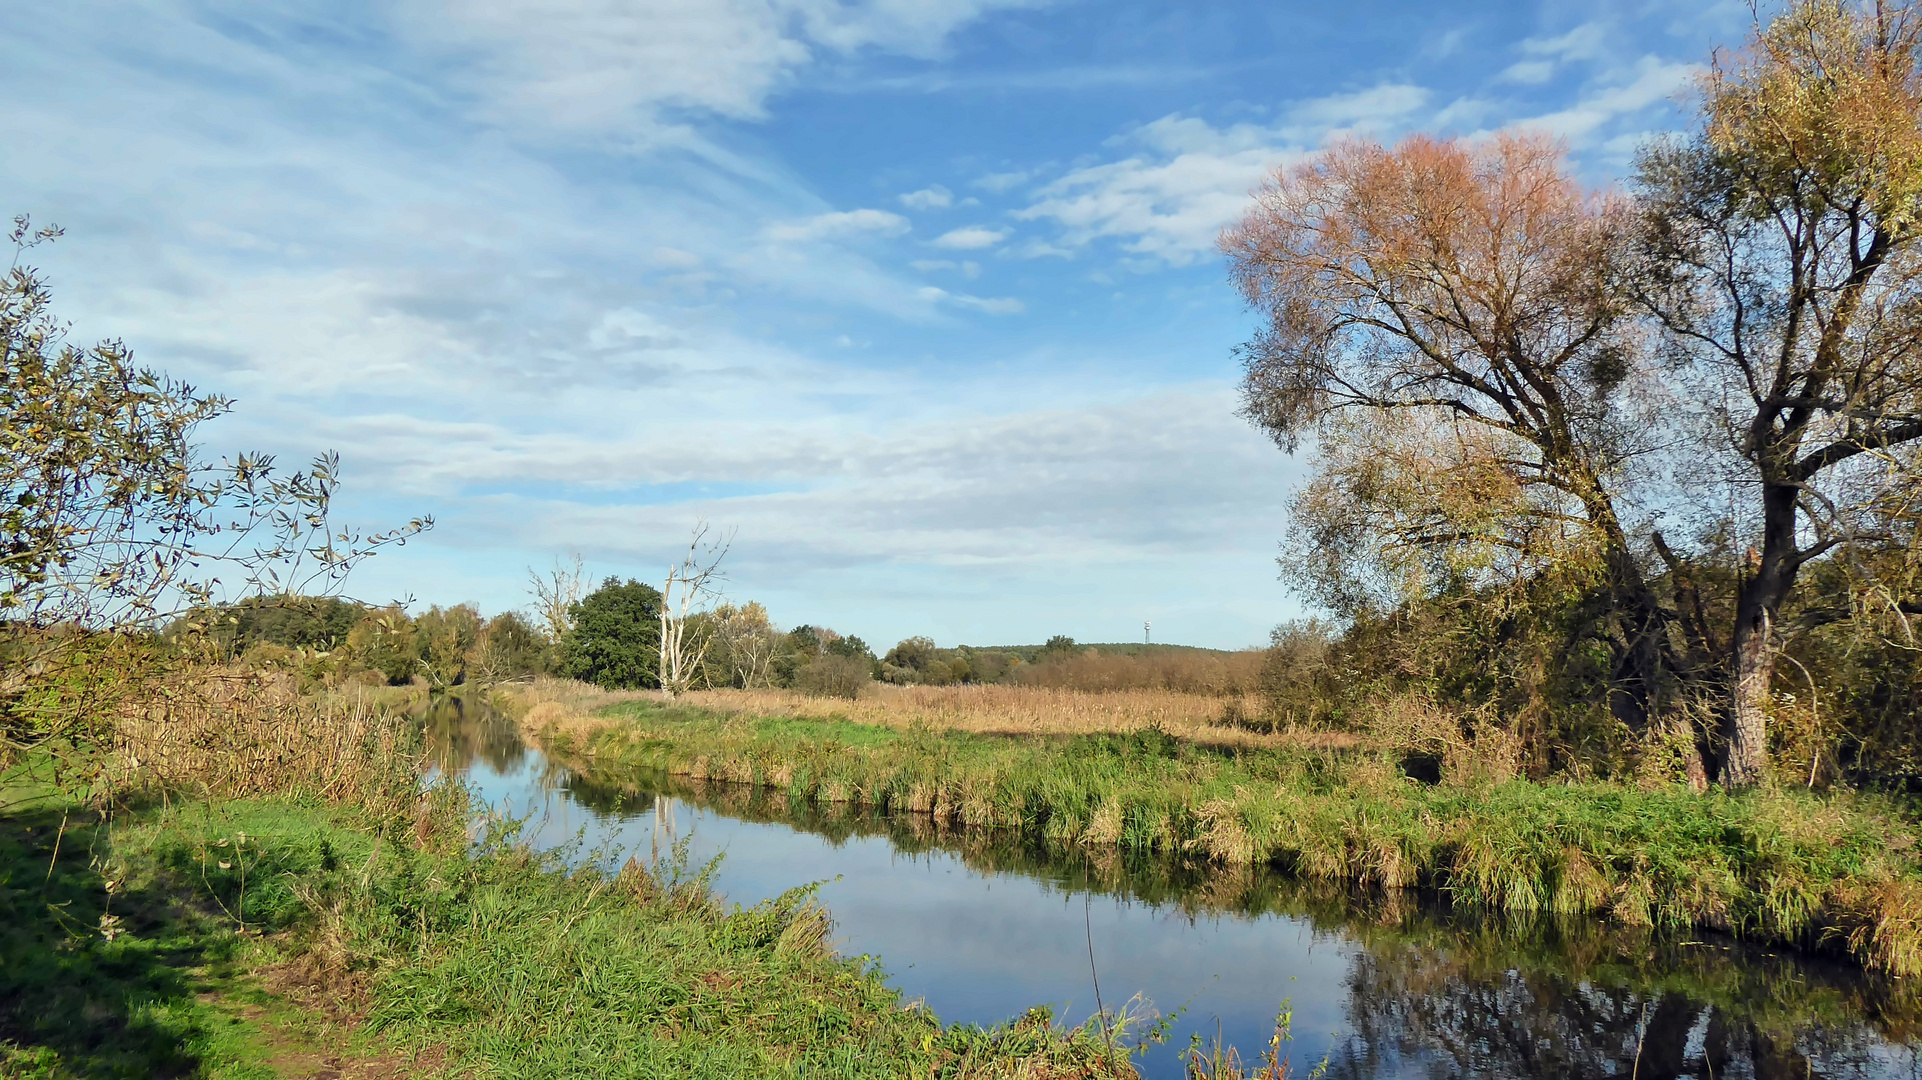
[614, 640]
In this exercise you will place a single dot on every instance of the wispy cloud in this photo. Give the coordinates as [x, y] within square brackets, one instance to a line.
[933, 197]
[561, 274]
[614, 65]
[1006, 305]
[970, 238]
[840, 224]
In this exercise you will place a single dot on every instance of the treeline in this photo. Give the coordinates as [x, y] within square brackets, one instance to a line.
[334, 641]
[611, 638]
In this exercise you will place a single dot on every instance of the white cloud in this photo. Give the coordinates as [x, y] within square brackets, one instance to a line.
[1547, 54]
[991, 306]
[1188, 179]
[1365, 110]
[932, 197]
[1649, 81]
[970, 238]
[675, 257]
[1002, 181]
[967, 268]
[1585, 42]
[599, 65]
[1001, 305]
[839, 224]
[1529, 72]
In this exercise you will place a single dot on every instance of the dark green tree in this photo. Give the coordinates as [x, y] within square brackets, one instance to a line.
[616, 638]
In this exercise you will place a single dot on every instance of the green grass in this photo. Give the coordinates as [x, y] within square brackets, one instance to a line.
[486, 960]
[110, 966]
[1834, 872]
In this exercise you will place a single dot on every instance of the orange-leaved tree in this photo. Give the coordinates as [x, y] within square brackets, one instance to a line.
[1448, 319]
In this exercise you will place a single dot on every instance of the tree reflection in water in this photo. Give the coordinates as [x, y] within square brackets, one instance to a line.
[458, 732]
[1594, 1001]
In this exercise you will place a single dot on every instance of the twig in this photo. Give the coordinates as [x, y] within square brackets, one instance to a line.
[1087, 924]
[57, 837]
[1815, 712]
[1641, 1033]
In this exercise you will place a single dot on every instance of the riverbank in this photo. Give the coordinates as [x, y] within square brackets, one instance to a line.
[1836, 872]
[369, 932]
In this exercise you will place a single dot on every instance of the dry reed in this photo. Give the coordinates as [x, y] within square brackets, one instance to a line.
[550, 706]
[243, 734]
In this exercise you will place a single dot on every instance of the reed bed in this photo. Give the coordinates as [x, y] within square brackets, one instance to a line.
[564, 704]
[237, 734]
[1836, 872]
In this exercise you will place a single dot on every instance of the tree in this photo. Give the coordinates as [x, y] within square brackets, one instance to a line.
[447, 640]
[745, 641]
[1782, 267]
[556, 593]
[510, 648]
[917, 659]
[1448, 318]
[383, 641]
[690, 583]
[615, 637]
[834, 675]
[112, 523]
[914, 652]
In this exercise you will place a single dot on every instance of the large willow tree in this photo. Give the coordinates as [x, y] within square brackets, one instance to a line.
[1450, 321]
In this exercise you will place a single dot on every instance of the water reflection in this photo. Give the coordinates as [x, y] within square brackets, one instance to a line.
[460, 733]
[983, 925]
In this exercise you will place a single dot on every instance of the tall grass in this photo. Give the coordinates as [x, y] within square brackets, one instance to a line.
[508, 963]
[1835, 871]
[238, 734]
[557, 704]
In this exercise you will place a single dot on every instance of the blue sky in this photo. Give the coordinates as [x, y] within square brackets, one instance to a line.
[919, 296]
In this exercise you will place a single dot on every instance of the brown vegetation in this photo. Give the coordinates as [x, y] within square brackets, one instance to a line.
[554, 706]
[237, 734]
[1179, 671]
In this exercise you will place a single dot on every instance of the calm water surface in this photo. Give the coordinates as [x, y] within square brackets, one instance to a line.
[983, 926]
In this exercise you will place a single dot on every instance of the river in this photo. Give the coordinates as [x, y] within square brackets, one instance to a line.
[983, 926]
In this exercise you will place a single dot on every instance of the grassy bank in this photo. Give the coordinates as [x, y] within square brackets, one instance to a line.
[333, 920]
[1837, 872]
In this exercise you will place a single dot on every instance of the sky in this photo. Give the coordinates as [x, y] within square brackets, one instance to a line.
[917, 298]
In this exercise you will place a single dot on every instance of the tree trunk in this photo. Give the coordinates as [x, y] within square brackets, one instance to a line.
[1746, 764]
[1647, 664]
[1756, 610]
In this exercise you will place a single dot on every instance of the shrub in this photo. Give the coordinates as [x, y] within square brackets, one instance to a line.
[1188, 671]
[834, 676]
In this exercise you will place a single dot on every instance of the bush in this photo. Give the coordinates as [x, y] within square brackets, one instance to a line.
[834, 676]
[1186, 671]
